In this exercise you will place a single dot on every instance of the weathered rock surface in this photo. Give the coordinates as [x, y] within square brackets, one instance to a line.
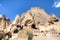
[35, 24]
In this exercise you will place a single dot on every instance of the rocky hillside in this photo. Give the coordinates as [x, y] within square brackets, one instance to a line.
[35, 24]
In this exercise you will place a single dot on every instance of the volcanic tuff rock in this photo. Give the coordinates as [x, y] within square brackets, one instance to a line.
[4, 22]
[35, 24]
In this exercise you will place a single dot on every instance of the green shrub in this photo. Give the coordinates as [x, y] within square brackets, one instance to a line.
[30, 35]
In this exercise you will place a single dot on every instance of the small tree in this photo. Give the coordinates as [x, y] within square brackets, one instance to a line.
[30, 35]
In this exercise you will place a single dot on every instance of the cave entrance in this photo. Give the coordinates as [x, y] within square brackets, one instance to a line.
[16, 31]
[33, 26]
[56, 20]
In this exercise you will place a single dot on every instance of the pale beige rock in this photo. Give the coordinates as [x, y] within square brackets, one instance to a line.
[26, 19]
[39, 15]
[4, 22]
[14, 24]
[17, 20]
[36, 20]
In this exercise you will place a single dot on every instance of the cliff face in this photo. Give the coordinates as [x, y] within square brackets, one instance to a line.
[35, 24]
[4, 22]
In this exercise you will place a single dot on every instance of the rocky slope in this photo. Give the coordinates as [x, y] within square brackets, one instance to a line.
[35, 24]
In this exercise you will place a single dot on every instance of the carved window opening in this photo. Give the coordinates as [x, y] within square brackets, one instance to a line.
[9, 34]
[33, 26]
[21, 27]
[16, 31]
[56, 20]
[18, 26]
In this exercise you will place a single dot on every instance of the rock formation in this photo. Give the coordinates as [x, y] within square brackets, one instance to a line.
[35, 24]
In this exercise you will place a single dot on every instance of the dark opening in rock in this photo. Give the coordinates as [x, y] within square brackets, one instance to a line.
[59, 33]
[42, 31]
[2, 35]
[50, 22]
[56, 20]
[25, 24]
[33, 26]
[0, 38]
[35, 35]
[38, 23]
[21, 27]
[9, 34]
[18, 26]
[16, 31]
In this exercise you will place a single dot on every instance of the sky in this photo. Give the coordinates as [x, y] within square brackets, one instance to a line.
[10, 8]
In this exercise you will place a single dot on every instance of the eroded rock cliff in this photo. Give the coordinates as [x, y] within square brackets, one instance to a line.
[35, 24]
